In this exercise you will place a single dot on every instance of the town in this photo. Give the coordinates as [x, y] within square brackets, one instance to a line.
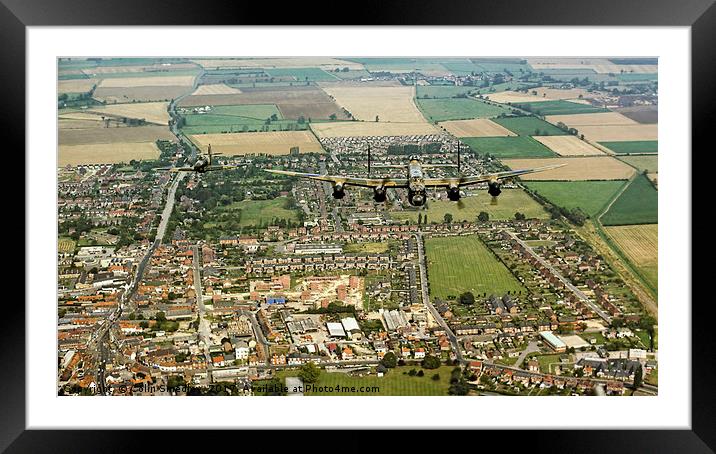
[240, 282]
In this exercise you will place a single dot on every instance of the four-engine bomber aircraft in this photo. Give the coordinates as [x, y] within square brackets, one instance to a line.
[416, 182]
[201, 165]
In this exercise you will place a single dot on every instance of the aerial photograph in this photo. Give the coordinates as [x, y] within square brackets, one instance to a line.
[357, 226]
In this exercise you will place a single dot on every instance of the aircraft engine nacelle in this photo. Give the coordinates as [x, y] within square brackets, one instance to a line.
[454, 193]
[417, 199]
[379, 194]
[493, 188]
[338, 191]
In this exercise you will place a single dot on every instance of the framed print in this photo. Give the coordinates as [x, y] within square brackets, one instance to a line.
[482, 217]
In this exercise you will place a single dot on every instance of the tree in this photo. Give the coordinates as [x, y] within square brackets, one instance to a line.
[435, 377]
[430, 362]
[638, 376]
[483, 216]
[389, 360]
[309, 372]
[467, 298]
[447, 218]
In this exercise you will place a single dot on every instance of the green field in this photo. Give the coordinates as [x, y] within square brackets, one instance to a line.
[558, 107]
[457, 109]
[464, 263]
[589, 196]
[501, 87]
[529, 126]
[636, 146]
[630, 77]
[301, 74]
[442, 91]
[508, 147]
[648, 163]
[366, 248]
[394, 383]
[351, 74]
[467, 209]
[239, 118]
[639, 204]
[257, 212]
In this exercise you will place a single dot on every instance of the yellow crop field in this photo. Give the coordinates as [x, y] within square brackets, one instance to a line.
[389, 104]
[65, 245]
[480, 127]
[614, 133]
[568, 146]
[152, 112]
[575, 169]
[216, 89]
[156, 81]
[75, 85]
[106, 153]
[275, 143]
[640, 243]
[371, 129]
[592, 119]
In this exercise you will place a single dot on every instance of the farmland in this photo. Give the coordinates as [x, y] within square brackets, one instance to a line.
[282, 62]
[389, 104]
[442, 91]
[541, 94]
[241, 118]
[461, 264]
[508, 147]
[258, 142]
[592, 119]
[370, 128]
[152, 81]
[480, 127]
[457, 109]
[558, 107]
[638, 204]
[139, 94]
[301, 74]
[113, 135]
[151, 112]
[75, 85]
[294, 102]
[641, 114]
[467, 209]
[575, 169]
[106, 153]
[65, 245]
[615, 133]
[636, 146]
[569, 146]
[650, 163]
[529, 126]
[215, 89]
[589, 196]
[640, 244]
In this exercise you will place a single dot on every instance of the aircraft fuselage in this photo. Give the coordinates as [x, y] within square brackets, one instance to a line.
[416, 183]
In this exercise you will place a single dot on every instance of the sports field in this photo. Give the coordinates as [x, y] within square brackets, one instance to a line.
[559, 107]
[529, 126]
[258, 212]
[461, 264]
[467, 209]
[279, 142]
[509, 147]
[479, 127]
[634, 146]
[589, 196]
[569, 146]
[389, 104]
[638, 204]
[395, 383]
[371, 128]
[106, 153]
[575, 168]
[457, 109]
[640, 243]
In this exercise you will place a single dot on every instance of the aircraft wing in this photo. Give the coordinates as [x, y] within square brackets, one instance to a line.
[350, 181]
[175, 169]
[468, 180]
[222, 167]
